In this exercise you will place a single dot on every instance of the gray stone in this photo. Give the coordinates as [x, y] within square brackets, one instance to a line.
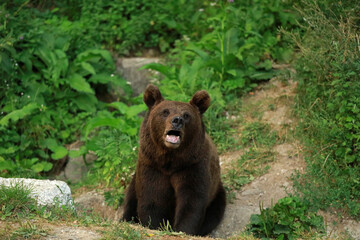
[94, 201]
[45, 192]
[76, 168]
[128, 68]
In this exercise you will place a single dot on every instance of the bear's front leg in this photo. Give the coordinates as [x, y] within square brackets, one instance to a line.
[130, 206]
[155, 197]
[191, 192]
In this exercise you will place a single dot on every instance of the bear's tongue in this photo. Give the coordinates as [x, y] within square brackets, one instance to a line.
[172, 139]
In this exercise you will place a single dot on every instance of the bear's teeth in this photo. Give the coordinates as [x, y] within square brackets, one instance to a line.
[172, 138]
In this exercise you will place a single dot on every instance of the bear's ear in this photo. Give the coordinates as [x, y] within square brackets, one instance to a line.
[201, 100]
[152, 96]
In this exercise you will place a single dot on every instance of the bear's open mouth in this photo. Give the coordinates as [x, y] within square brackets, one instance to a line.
[173, 136]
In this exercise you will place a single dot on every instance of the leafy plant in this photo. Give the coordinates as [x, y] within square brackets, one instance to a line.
[232, 56]
[117, 154]
[47, 91]
[28, 230]
[127, 26]
[289, 218]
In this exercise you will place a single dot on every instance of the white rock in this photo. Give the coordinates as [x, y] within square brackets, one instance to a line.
[45, 192]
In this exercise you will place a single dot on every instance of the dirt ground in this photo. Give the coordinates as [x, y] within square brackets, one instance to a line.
[269, 188]
[266, 189]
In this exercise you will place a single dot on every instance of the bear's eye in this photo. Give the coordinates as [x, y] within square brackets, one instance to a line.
[166, 112]
[186, 116]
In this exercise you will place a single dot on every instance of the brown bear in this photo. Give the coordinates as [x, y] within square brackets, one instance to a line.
[177, 178]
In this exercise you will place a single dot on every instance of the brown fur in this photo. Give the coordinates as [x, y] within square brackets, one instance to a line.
[177, 179]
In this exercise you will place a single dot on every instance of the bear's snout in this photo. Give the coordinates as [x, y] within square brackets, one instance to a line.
[177, 122]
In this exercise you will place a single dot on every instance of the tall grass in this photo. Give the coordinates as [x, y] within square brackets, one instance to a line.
[328, 100]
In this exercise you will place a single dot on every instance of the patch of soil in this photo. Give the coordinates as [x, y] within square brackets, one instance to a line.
[73, 233]
[269, 188]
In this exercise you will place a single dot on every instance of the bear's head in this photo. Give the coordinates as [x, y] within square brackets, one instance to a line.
[175, 124]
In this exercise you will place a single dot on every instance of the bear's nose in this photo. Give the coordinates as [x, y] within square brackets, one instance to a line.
[177, 122]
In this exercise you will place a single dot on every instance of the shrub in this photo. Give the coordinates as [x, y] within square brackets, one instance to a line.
[48, 93]
[115, 164]
[127, 26]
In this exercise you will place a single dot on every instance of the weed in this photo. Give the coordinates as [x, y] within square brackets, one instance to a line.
[290, 218]
[272, 107]
[28, 230]
[125, 231]
[258, 134]
[15, 201]
[166, 229]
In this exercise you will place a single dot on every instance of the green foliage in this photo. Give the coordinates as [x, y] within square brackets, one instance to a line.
[233, 56]
[54, 66]
[46, 90]
[289, 219]
[127, 26]
[117, 153]
[328, 104]
[245, 41]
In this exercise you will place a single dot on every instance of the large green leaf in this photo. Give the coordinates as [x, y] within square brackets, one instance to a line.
[122, 107]
[18, 114]
[93, 54]
[200, 52]
[134, 110]
[262, 75]
[231, 41]
[88, 67]
[50, 143]
[79, 84]
[63, 62]
[8, 150]
[6, 164]
[165, 70]
[42, 166]
[78, 153]
[59, 152]
[101, 122]
[128, 111]
[86, 102]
